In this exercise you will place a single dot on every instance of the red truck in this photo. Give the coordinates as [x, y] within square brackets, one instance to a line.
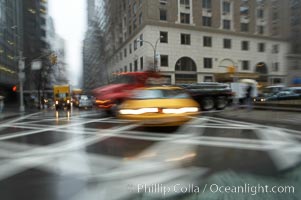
[208, 95]
[110, 96]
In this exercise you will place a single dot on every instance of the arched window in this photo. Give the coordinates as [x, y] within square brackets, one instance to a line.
[262, 69]
[185, 71]
[185, 64]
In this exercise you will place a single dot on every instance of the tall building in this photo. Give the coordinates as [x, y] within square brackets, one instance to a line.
[294, 56]
[22, 34]
[94, 71]
[35, 45]
[10, 45]
[198, 40]
[58, 71]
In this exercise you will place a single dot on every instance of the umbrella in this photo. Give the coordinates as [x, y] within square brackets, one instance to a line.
[248, 81]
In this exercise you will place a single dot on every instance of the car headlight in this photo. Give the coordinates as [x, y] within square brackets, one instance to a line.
[138, 111]
[180, 110]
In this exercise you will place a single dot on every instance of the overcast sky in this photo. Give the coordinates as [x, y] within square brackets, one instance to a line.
[70, 23]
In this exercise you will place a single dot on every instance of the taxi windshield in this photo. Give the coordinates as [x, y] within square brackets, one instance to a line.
[160, 94]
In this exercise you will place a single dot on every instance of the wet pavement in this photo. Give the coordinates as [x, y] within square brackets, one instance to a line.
[83, 154]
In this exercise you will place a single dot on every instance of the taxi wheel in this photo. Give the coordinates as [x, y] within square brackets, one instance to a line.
[207, 103]
[114, 110]
[221, 103]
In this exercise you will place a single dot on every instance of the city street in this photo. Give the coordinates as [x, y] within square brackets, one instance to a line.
[83, 154]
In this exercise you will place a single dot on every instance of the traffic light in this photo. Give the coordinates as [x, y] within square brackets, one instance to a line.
[14, 88]
[53, 59]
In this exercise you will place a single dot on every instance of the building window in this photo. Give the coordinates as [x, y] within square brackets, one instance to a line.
[134, 24]
[275, 30]
[130, 48]
[141, 63]
[163, 37]
[185, 39]
[244, 10]
[206, 4]
[275, 16]
[129, 13]
[135, 45]
[245, 45]
[208, 63]
[131, 67]
[260, 13]
[163, 14]
[136, 65]
[134, 8]
[261, 47]
[260, 29]
[125, 68]
[130, 29]
[275, 48]
[226, 24]
[141, 40]
[120, 55]
[164, 60]
[207, 41]
[207, 21]
[185, 18]
[244, 27]
[227, 43]
[125, 52]
[208, 79]
[275, 67]
[245, 65]
[226, 7]
[163, 2]
[140, 18]
[185, 2]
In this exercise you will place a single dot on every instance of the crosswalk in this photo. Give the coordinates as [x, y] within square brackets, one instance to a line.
[106, 151]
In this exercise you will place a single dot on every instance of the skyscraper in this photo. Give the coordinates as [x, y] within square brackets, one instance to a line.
[10, 44]
[94, 71]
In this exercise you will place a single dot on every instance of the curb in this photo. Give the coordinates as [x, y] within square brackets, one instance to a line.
[289, 109]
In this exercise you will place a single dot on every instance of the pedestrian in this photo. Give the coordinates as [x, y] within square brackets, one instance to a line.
[249, 101]
[1, 103]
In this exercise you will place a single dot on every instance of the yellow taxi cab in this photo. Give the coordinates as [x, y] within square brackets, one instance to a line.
[159, 106]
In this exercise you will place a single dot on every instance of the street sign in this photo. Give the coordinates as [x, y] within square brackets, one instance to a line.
[21, 65]
[21, 76]
[36, 65]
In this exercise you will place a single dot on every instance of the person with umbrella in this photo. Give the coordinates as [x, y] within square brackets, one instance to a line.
[249, 93]
[249, 102]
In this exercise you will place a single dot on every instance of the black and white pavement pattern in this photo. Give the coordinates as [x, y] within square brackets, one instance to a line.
[84, 155]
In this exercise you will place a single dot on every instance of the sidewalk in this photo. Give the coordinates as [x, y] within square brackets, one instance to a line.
[11, 111]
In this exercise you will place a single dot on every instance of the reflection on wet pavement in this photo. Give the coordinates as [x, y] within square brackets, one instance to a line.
[84, 156]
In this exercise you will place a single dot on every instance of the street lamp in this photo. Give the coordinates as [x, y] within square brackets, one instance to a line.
[154, 49]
